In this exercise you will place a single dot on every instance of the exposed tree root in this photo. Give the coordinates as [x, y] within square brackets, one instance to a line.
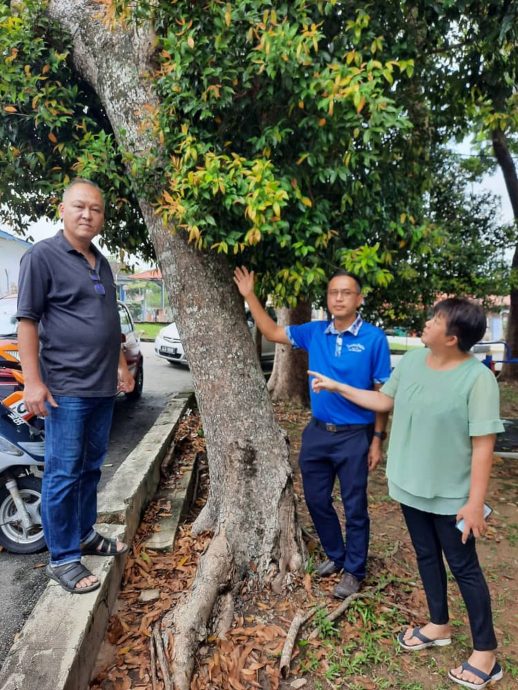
[191, 618]
[152, 662]
[291, 546]
[301, 619]
[226, 615]
[342, 608]
[206, 520]
[298, 621]
[162, 659]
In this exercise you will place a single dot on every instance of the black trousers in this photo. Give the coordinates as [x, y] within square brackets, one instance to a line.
[324, 456]
[432, 535]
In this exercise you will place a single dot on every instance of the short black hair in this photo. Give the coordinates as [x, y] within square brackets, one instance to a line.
[342, 272]
[465, 319]
[82, 180]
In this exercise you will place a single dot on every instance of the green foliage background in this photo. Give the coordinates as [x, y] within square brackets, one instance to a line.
[294, 137]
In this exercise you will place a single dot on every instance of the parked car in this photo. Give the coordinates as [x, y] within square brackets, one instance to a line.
[8, 322]
[400, 344]
[132, 352]
[168, 345]
[130, 341]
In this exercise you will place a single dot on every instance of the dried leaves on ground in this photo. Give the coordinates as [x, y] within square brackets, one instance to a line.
[355, 652]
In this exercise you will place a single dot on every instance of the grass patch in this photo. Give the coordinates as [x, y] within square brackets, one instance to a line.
[399, 349]
[512, 534]
[148, 329]
[508, 399]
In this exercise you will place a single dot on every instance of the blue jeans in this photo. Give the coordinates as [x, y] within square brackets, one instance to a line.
[324, 456]
[76, 441]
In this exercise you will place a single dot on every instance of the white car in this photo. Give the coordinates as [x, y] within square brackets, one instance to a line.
[401, 344]
[169, 346]
[8, 321]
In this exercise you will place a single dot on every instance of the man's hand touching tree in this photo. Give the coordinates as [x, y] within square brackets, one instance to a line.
[244, 279]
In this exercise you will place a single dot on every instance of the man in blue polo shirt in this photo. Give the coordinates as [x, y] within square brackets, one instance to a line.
[341, 440]
[70, 349]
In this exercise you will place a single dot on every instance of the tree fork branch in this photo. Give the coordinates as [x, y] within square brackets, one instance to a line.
[192, 616]
[506, 163]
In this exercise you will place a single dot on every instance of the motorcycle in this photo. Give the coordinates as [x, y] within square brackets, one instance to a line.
[21, 471]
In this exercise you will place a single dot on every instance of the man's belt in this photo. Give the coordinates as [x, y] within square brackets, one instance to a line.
[333, 428]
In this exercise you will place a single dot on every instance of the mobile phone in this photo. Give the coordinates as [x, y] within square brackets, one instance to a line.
[487, 512]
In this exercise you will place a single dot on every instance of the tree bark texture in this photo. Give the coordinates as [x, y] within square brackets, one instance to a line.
[289, 379]
[506, 163]
[251, 503]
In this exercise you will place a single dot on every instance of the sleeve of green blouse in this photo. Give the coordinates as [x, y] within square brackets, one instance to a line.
[484, 405]
[390, 387]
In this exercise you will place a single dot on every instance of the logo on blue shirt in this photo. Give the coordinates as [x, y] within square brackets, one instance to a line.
[355, 347]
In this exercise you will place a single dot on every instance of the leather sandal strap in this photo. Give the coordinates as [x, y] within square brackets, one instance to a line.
[100, 544]
[71, 573]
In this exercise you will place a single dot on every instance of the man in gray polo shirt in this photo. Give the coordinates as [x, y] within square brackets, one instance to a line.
[70, 349]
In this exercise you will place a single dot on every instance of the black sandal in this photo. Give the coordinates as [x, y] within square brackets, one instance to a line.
[102, 546]
[69, 575]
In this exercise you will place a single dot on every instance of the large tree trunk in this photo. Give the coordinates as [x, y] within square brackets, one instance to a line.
[289, 379]
[251, 507]
[506, 163]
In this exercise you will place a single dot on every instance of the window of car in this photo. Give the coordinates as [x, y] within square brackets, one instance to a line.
[8, 321]
[126, 322]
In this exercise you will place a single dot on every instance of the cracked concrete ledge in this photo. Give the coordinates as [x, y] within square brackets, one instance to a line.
[58, 645]
[180, 498]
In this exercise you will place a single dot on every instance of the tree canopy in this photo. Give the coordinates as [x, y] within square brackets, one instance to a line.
[273, 128]
[294, 137]
[466, 251]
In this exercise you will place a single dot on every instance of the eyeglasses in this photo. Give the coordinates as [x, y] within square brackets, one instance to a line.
[342, 293]
[98, 286]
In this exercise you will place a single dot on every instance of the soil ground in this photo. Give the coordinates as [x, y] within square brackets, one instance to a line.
[355, 652]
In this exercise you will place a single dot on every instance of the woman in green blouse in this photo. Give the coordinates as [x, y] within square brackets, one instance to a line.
[446, 415]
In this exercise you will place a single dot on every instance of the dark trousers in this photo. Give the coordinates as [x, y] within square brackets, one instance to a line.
[432, 535]
[324, 456]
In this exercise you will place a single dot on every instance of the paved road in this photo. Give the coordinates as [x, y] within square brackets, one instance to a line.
[21, 578]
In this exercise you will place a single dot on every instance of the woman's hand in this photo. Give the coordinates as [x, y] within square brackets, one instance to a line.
[323, 383]
[473, 516]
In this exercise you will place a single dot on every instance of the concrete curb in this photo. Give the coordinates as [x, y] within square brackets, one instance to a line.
[58, 645]
[180, 498]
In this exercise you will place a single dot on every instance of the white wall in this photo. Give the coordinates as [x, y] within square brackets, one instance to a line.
[10, 254]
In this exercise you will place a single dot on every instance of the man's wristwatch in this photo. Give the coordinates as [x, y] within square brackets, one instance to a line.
[380, 434]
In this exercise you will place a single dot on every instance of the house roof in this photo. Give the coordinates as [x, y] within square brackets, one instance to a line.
[153, 274]
[7, 236]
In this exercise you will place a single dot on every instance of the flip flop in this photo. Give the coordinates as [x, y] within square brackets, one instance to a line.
[486, 678]
[425, 641]
[102, 546]
[69, 575]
